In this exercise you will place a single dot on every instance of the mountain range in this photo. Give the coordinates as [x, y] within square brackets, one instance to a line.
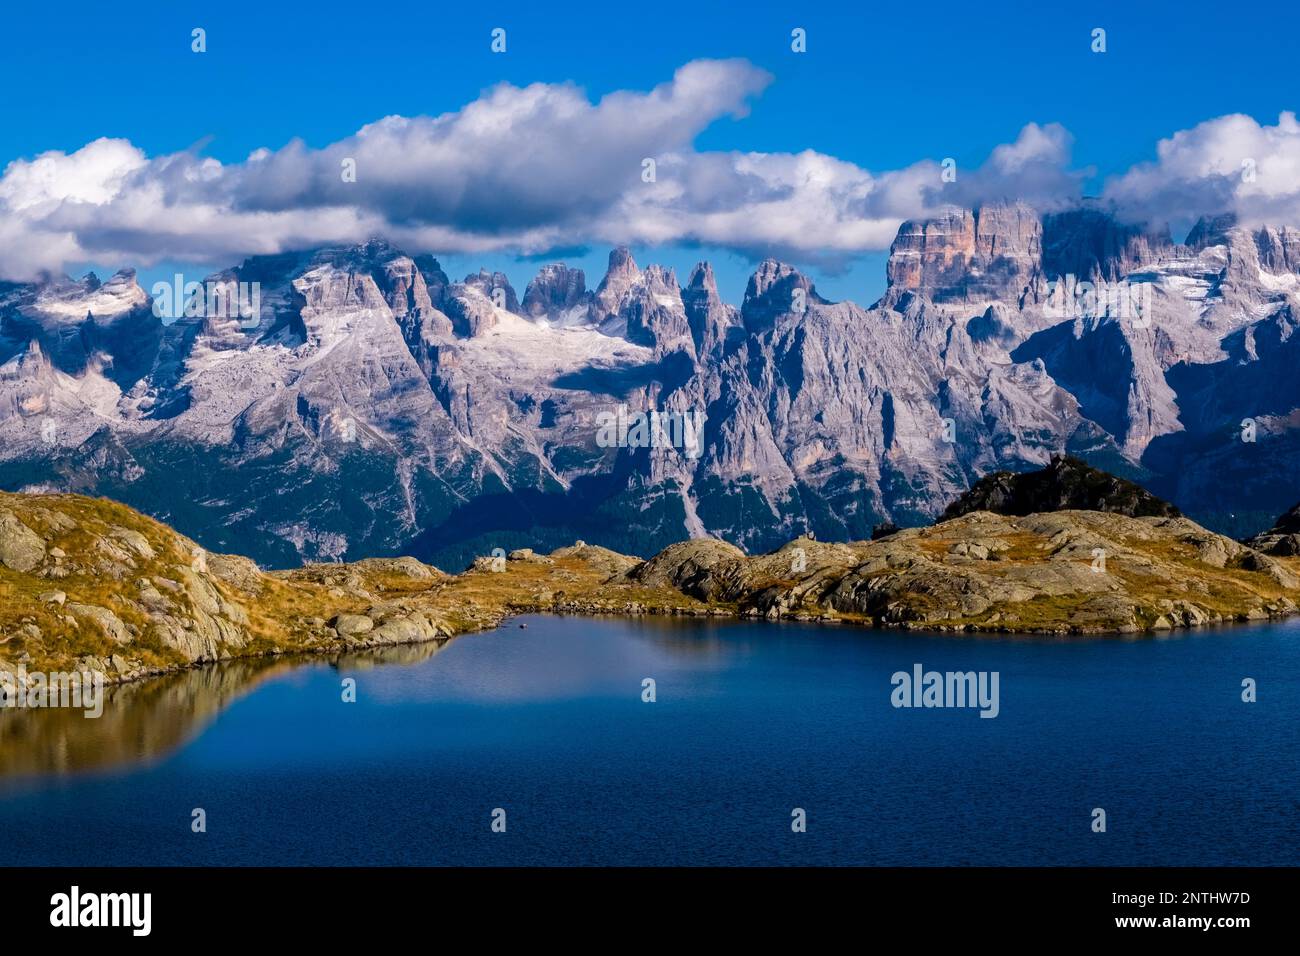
[374, 406]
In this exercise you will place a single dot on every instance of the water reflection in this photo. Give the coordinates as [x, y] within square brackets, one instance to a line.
[145, 721]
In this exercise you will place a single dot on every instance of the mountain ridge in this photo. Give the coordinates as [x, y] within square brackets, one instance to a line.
[407, 411]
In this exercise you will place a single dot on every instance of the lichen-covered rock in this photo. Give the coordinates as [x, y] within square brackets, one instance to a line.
[416, 627]
[21, 548]
[689, 566]
[611, 561]
[238, 572]
[108, 622]
[405, 565]
[349, 625]
[527, 554]
[134, 541]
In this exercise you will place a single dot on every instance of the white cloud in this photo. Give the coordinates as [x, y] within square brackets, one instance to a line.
[1231, 164]
[1034, 169]
[93, 175]
[529, 169]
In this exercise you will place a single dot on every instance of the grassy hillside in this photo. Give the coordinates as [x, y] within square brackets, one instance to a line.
[90, 583]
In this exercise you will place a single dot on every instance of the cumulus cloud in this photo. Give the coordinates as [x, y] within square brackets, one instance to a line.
[1034, 169]
[535, 168]
[94, 175]
[522, 168]
[1231, 164]
[759, 204]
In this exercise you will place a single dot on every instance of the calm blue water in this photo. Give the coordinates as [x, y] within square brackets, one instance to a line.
[751, 721]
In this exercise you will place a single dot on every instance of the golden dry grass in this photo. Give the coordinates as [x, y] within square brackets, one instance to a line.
[288, 611]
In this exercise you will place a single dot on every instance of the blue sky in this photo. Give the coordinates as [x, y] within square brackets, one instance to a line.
[881, 86]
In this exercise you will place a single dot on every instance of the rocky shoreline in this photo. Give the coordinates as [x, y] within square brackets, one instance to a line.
[90, 584]
[354, 644]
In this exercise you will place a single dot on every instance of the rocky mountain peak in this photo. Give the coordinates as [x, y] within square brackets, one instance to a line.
[1241, 255]
[33, 359]
[403, 286]
[776, 289]
[621, 262]
[1211, 231]
[702, 280]
[557, 294]
[663, 278]
[364, 256]
[651, 313]
[375, 249]
[1274, 249]
[621, 275]
[995, 324]
[64, 302]
[1279, 249]
[496, 287]
[1090, 243]
[711, 320]
[434, 278]
[968, 255]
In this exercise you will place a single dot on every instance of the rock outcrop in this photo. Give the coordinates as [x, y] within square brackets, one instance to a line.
[1063, 572]
[1066, 483]
[20, 548]
[1283, 538]
[134, 598]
